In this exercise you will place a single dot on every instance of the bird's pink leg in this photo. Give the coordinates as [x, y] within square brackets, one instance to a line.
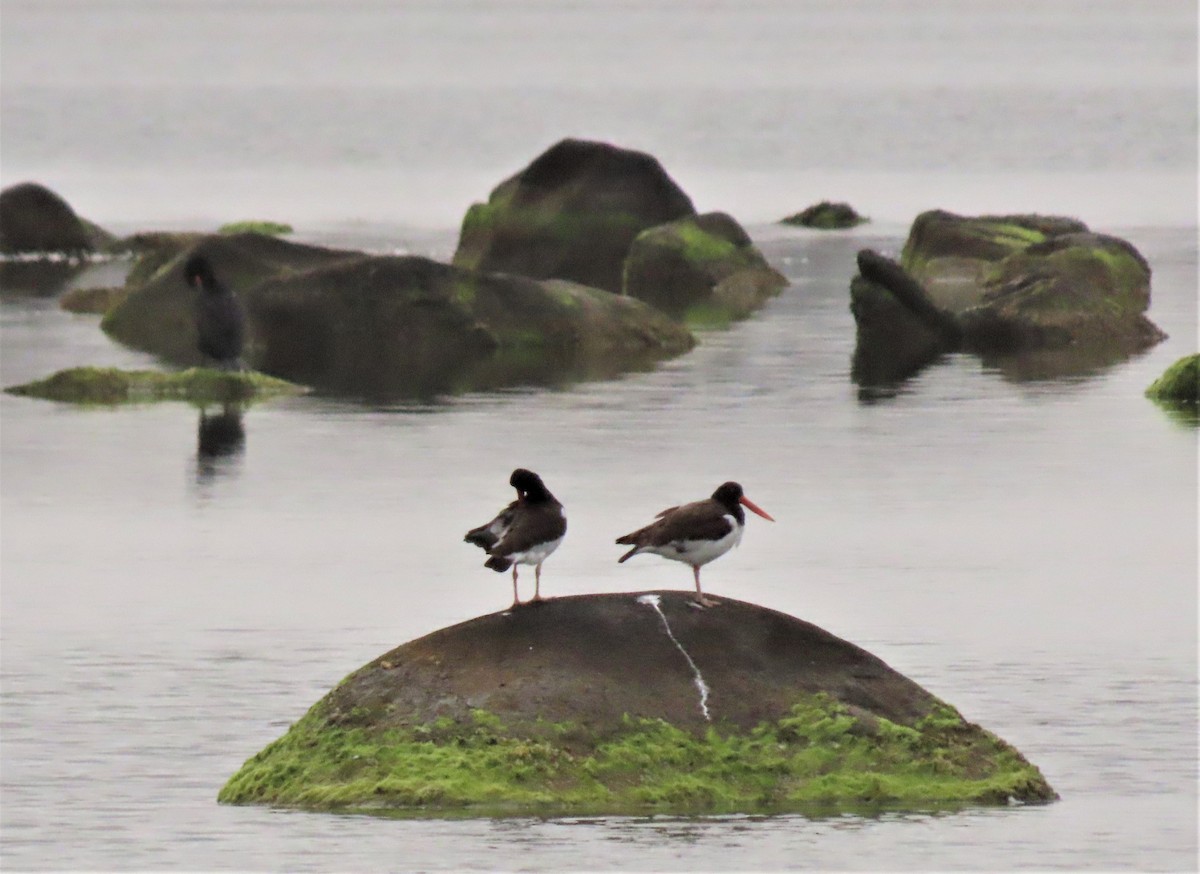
[700, 599]
[516, 600]
[537, 582]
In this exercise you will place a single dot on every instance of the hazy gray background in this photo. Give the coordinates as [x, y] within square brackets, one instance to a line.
[191, 109]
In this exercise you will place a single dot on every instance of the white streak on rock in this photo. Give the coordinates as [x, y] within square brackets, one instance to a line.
[655, 602]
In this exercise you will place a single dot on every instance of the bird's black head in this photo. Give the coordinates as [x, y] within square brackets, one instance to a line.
[728, 494]
[731, 496]
[197, 269]
[528, 484]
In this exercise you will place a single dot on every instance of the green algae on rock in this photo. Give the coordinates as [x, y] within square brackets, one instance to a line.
[110, 385]
[1179, 384]
[272, 229]
[628, 703]
[702, 269]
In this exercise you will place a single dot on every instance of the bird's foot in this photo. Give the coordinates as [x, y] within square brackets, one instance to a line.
[704, 601]
[536, 599]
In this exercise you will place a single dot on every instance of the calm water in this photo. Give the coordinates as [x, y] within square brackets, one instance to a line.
[1026, 550]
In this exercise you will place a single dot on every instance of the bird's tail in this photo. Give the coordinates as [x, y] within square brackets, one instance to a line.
[498, 564]
[629, 554]
[481, 537]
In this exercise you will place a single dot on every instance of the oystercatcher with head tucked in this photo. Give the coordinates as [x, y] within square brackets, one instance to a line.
[220, 320]
[696, 533]
[524, 532]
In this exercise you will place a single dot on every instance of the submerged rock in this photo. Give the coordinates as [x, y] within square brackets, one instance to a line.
[826, 216]
[35, 220]
[701, 269]
[110, 385]
[625, 703]
[95, 300]
[1037, 296]
[571, 214]
[389, 326]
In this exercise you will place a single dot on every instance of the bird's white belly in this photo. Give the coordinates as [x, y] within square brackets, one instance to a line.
[698, 552]
[537, 554]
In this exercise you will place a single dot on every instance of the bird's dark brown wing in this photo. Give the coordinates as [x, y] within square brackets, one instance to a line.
[532, 524]
[699, 520]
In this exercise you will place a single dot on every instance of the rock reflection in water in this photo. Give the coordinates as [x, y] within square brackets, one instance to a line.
[221, 440]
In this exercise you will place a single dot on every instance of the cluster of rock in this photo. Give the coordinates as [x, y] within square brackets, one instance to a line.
[592, 261]
[589, 262]
[1037, 296]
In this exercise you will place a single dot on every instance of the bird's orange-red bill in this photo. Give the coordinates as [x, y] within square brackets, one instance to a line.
[754, 508]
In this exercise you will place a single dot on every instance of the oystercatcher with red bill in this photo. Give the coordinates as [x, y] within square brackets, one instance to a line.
[696, 533]
[527, 531]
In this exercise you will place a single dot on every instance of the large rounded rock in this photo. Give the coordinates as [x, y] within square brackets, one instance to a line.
[33, 219]
[157, 315]
[621, 702]
[386, 326]
[703, 269]
[571, 214]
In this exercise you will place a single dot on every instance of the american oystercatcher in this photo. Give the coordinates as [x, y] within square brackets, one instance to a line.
[220, 320]
[696, 533]
[524, 532]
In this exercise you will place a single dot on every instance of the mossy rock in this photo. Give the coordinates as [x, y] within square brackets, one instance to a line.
[112, 386]
[703, 269]
[826, 216]
[1035, 296]
[632, 704]
[571, 214]
[1179, 384]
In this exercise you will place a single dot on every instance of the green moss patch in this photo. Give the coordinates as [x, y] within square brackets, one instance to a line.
[698, 245]
[271, 229]
[1179, 384]
[110, 386]
[95, 301]
[820, 754]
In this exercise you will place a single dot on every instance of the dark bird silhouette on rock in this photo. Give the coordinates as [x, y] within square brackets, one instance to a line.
[696, 533]
[220, 319]
[527, 531]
